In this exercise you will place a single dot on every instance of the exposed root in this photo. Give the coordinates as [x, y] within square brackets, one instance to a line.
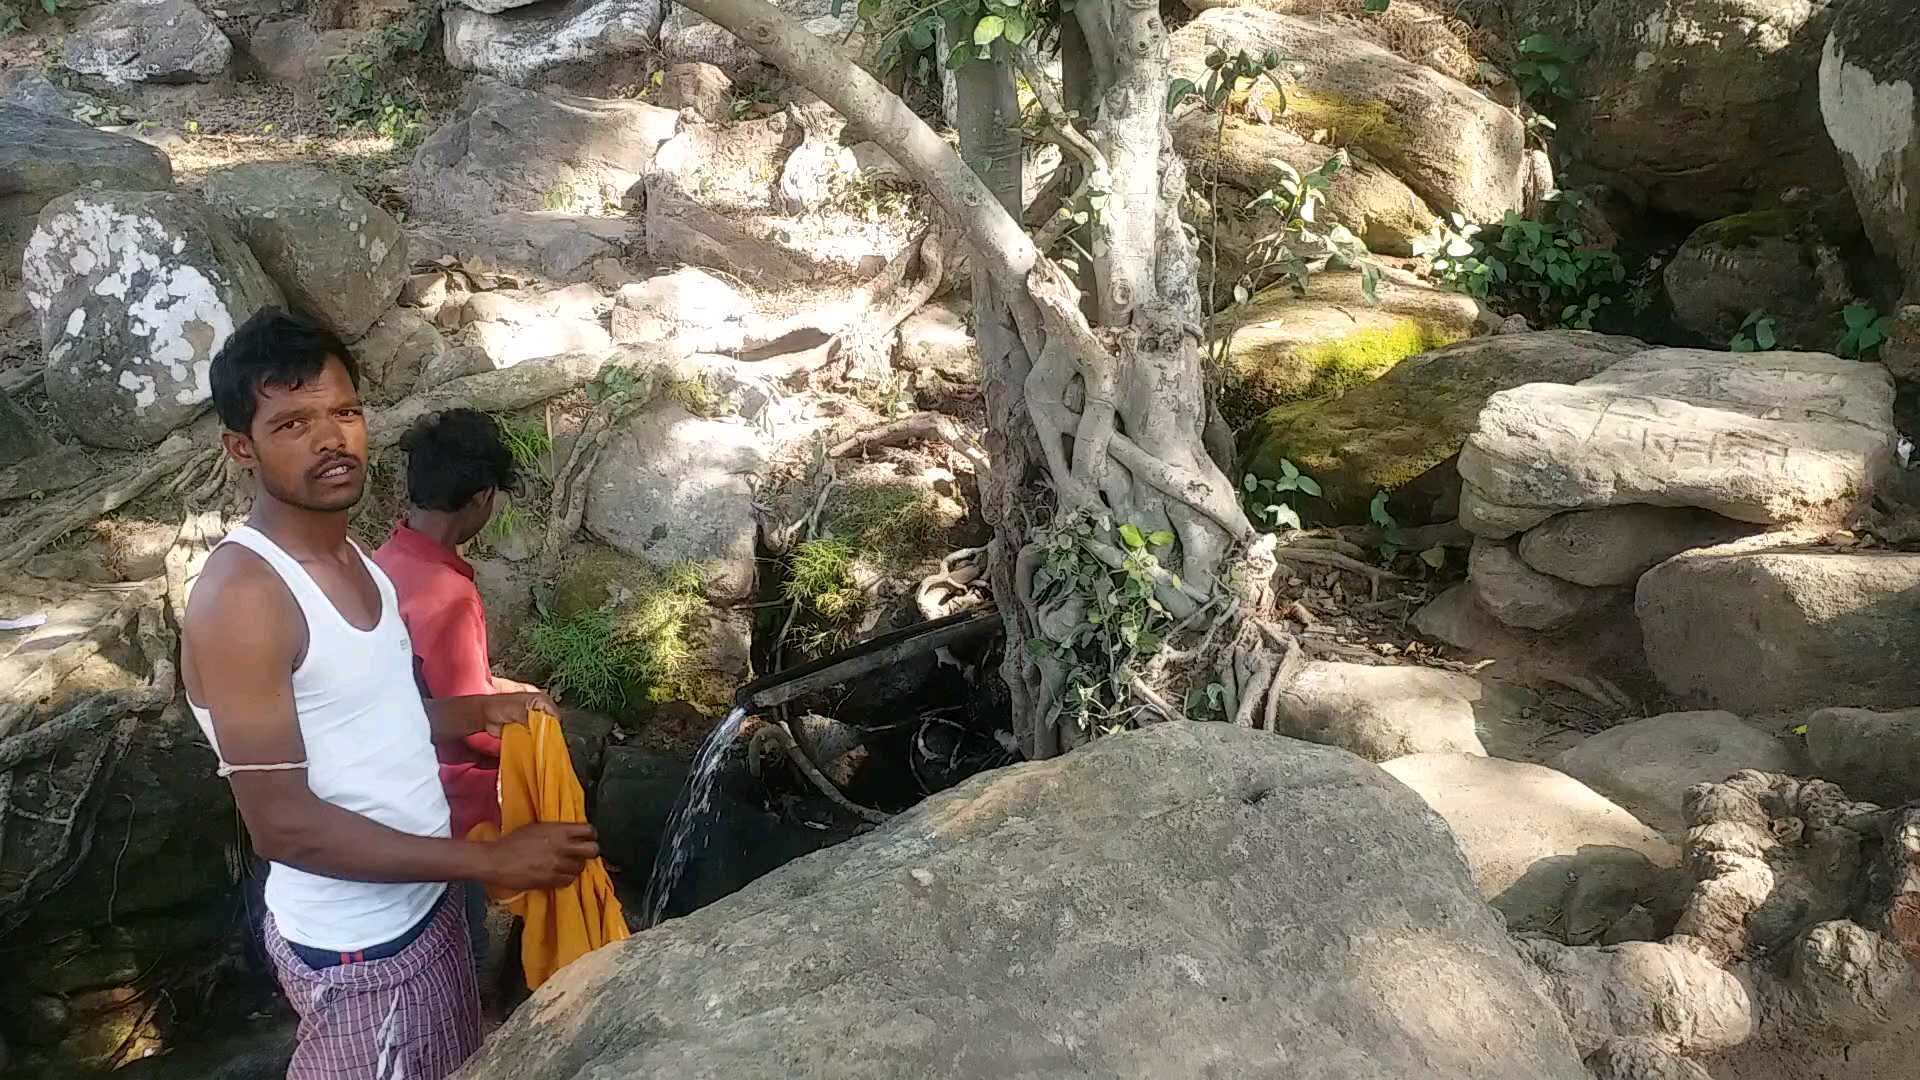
[101, 495]
[778, 733]
[1314, 557]
[960, 574]
[919, 427]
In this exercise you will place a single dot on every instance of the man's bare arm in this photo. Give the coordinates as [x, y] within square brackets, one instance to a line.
[244, 633]
[455, 718]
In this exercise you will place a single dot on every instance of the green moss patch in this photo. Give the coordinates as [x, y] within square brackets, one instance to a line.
[621, 634]
[1741, 230]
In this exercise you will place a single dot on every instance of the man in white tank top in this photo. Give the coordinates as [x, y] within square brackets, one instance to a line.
[300, 672]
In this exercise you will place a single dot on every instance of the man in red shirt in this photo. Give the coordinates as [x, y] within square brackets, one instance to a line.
[457, 466]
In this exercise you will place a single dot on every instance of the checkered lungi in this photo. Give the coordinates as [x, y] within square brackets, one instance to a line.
[412, 1016]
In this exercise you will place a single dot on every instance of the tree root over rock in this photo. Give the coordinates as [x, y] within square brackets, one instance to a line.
[1803, 927]
[777, 733]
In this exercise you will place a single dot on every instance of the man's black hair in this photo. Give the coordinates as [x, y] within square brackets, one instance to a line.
[453, 456]
[272, 348]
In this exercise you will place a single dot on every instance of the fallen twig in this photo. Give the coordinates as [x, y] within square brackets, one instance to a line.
[774, 732]
[920, 427]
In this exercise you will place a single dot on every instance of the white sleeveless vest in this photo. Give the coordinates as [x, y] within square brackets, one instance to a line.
[369, 750]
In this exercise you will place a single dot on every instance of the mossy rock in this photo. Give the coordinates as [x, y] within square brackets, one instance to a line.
[1787, 264]
[1291, 348]
[1388, 433]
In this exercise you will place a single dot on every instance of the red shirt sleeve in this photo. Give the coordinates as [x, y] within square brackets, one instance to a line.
[451, 641]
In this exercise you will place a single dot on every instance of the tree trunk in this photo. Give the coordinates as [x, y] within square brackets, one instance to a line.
[1096, 424]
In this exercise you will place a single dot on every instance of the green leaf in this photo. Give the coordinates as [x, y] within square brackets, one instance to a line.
[1160, 538]
[1288, 469]
[1284, 516]
[1039, 648]
[1763, 334]
[1130, 535]
[920, 34]
[1435, 556]
[1310, 486]
[1178, 91]
[989, 29]
[1377, 5]
[1249, 482]
[1017, 30]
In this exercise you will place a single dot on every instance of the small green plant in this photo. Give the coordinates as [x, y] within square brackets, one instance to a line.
[1543, 268]
[504, 523]
[634, 645]
[374, 91]
[1544, 69]
[527, 441]
[820, 577]
[1866, 330]
[1393, 539]
[1123, 622]
[746, 102]
[1271, 501]
[1758, 332]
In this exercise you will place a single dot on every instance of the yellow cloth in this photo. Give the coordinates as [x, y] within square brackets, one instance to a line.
[537, 784]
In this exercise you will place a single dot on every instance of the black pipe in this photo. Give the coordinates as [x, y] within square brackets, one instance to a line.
[870, 655]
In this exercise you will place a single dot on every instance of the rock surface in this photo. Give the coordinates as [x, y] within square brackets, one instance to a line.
[1616, 545]
[512, 327]
[696, 311]
[937, 338]
[1382, 712]
[31, 90]
[1648, 765]
[1869, 68]
[162, 41]
[1460, 151]
[1776, 262]
[334, 255]
[1548, 852]
[528, 42]
[1521, 596]
[559, 247]
[672, 487]
[1758, 626]
[1696, 107]
[21, 436]
[134, 293]
[509, 149]
[43, 157]
[1287, 347]
[395, 351]
[796, 977]
[1388, 433]
[687, 37]
[701, 89]
[1874, 755]
[1769, 438]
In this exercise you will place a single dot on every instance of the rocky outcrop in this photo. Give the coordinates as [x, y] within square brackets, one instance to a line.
[1762, 625]
[702, 89]
[21, 436]
[937, 338]
[1871, 754]
[1616, 545]
[513, 326]
[1287, 347]
[1387, 434]
[1370, 201]
[1767, 438]
[1548, 852]
[696, 311]
[1198, 831]
[558, 247]
[335, 256]
[507, 149]
[1384, 712]
[1869, 67]
[1459, 150]
[1521, 596]
[134, 292]
[163, 41]
[31, 90]
[1774, 262]
[672, 487]
[1696, 107]
[523, 44]
[43, 157]
[1649, 765]
[394, 352]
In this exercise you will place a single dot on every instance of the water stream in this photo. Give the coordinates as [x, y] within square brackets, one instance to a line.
[688, 811]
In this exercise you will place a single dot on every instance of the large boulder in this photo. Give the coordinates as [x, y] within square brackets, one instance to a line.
[1549, 852]
[1696, 107]
[394, 352]
[559, 247]
[1459, 150]
[1381, 712]
[1384, 435]
[975, 936]
[158, 41]
[672, 487]
[513, 326]
[1768, 438]
[1874, 755]
[1521, 596]
[31, 90]
[1869, 67]
[293, 51]
[1369, 200]
[507, 149]
[134, 293]
[1287, 347]
[696, 311]
[1616, 545]
[1648, 765]
[1772, 261]
[335, 256]
[43, 157]
[532, 42]
[714, 199]
[1759, 625]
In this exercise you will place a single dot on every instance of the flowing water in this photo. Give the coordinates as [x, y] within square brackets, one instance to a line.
[695, 800]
